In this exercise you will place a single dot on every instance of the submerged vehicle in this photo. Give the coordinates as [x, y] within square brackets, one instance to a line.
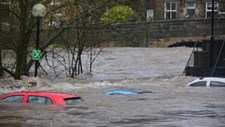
[41, 97]
[126, 92]
[208, 82]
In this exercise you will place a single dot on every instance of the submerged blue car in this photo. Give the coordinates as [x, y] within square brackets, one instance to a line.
[126, 92]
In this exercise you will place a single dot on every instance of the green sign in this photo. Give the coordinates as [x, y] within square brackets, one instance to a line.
[36, 54]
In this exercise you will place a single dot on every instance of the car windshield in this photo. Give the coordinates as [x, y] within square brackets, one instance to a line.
[17, 99]
[72, 101]
[199, 83]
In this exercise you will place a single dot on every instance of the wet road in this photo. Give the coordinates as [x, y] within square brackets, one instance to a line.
[166, 106]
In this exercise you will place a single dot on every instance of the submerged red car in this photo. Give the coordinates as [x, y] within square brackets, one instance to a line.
[41, 97]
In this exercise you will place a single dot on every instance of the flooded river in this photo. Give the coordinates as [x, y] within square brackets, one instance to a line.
[167, 106]
[171, 103]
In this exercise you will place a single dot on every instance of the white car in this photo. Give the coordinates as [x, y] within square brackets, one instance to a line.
[208, 82]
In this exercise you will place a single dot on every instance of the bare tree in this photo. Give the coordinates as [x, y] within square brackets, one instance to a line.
[74, 41]
[81, 13]
[70, 24]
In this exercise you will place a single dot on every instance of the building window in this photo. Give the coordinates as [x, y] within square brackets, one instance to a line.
[209, 6]
[191, 7]
[56, 17]
[170, 10]
[208, 9]
[4, 13]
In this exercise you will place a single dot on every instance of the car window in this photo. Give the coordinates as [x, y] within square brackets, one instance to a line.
[39, 100]
[72, 101]
[49, 101]
[217, 84]
[17, 99]
[199, 83]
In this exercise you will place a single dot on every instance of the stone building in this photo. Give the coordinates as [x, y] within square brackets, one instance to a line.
[4, 13]
[181, 9]
[157, 9]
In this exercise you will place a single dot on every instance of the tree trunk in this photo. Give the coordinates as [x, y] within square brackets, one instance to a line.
[21, 44]
[80, 69]
[1, 69]
[20, 54]
[25, 68]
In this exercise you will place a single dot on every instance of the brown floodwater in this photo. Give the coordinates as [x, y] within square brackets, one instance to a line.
[166, 106]
[171, 103]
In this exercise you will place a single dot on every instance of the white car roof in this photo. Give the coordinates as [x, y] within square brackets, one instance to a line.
[208, 79]
[212, 78]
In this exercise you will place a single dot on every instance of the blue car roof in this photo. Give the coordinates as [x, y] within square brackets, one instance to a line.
[126, 92]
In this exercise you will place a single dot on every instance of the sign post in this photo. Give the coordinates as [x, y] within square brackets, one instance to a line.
[36, 54]
[38, 11]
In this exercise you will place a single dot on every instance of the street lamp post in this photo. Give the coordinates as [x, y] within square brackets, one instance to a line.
[212, 38]
[38, 11]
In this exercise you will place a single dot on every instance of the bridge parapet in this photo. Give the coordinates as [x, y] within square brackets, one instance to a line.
[161, 33]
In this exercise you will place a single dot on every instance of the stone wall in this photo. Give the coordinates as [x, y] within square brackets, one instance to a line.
[157, 33]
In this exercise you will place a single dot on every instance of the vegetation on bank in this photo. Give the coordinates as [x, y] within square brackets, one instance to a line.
[19, 33]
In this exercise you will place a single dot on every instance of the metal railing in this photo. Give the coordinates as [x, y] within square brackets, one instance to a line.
[191, 59]
[217, 59]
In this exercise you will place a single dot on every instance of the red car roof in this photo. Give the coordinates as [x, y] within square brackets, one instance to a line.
[63, 95]
[57, 98]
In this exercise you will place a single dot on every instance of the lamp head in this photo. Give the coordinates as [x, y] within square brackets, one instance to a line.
[38, 10]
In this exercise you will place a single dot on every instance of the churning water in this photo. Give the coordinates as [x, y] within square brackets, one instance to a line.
[171, 103]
